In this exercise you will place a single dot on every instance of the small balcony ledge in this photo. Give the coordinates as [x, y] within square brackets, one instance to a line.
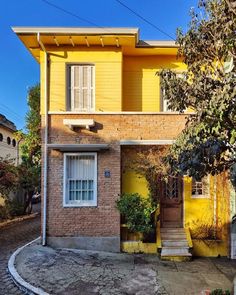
[79, 123]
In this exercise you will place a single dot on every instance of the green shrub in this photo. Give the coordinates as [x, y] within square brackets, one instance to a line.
[220, 292]
[14, 207]
[4, 213]
[137, 212]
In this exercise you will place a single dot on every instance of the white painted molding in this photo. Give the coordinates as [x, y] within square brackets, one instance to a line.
[147, 142]
[19, 281]
[117, 113]
[81, 123]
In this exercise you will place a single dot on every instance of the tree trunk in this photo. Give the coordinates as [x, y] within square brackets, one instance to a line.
[28, 202]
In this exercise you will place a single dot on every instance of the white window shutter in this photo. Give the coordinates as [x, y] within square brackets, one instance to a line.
[82, 87]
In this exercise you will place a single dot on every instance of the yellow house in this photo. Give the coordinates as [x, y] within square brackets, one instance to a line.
[101, 103]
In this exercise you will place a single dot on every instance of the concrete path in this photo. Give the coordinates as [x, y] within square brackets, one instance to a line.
[75, 272]
[11, 238]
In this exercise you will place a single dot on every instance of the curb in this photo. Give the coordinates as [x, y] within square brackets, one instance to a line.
[18, 280]
[18, 219]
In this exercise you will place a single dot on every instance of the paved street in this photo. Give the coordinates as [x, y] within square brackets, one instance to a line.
[63, 271]
[12, 237]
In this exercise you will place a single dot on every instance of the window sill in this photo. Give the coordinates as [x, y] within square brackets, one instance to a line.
[200, 197]
[117, 113]
[84, 205]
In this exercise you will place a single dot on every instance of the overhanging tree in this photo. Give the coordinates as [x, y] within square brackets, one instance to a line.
[208, 143]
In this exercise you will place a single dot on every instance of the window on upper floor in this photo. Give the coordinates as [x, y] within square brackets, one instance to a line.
[80, 179]
[81, 88]
[8, 140]
[1, 137]
[164, 102]
[201, 189]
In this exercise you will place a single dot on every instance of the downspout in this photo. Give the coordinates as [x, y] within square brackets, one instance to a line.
[215, 207]
[45, 156]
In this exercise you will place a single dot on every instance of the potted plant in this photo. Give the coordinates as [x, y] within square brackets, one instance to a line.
[137, 215]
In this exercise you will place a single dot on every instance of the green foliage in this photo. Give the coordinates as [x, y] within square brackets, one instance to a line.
[14, 207]
[148, 163]
[8, 177]
[137, 212]
[208, 143]
[31, 146]
[10, 209]
[4, 213]
[220, 292]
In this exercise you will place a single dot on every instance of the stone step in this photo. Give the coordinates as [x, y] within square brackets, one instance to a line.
[177, 243]
[172, 230]
[167, 236]
[175, 251]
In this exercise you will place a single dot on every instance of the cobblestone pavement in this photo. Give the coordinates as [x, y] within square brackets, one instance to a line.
[11, 238]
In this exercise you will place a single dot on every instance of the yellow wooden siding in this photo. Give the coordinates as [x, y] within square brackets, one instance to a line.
[141, 84]
[42, 85]
[108, 77]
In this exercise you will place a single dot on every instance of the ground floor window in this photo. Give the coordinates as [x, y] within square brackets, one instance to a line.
[80, 179]
[200, 189]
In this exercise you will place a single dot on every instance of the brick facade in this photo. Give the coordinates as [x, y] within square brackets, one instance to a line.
[103, 220]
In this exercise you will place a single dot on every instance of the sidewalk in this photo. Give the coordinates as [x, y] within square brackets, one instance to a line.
[85, 272]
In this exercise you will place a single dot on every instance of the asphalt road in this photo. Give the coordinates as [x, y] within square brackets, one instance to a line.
[11, 238]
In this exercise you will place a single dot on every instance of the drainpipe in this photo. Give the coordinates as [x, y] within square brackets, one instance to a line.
[215, 206]
[45, 156]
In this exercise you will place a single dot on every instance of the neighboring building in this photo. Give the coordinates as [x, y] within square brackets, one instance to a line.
[101, 102]
[8, 143]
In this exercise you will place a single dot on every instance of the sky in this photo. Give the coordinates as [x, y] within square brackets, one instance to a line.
[19, 70]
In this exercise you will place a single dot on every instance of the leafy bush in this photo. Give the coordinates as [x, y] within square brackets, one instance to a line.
[137, 212]
[220, 292]
[14, 207]
[4, 213]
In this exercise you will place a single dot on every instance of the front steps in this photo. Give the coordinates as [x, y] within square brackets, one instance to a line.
[174, 244]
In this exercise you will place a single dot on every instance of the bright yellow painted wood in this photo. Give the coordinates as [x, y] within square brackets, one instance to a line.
[141, 84]
[108, 77]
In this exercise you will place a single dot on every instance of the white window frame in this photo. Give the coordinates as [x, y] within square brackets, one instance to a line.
[202, 196]
[164, 102]
[70, 87]
[92, 203]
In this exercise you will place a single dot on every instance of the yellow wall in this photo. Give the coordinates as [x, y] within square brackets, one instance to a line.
[199, 213]
[141, 84]
[134, 183]
[108, 76]
[127, 83]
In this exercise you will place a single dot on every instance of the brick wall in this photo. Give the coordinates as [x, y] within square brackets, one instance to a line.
[104, 220]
